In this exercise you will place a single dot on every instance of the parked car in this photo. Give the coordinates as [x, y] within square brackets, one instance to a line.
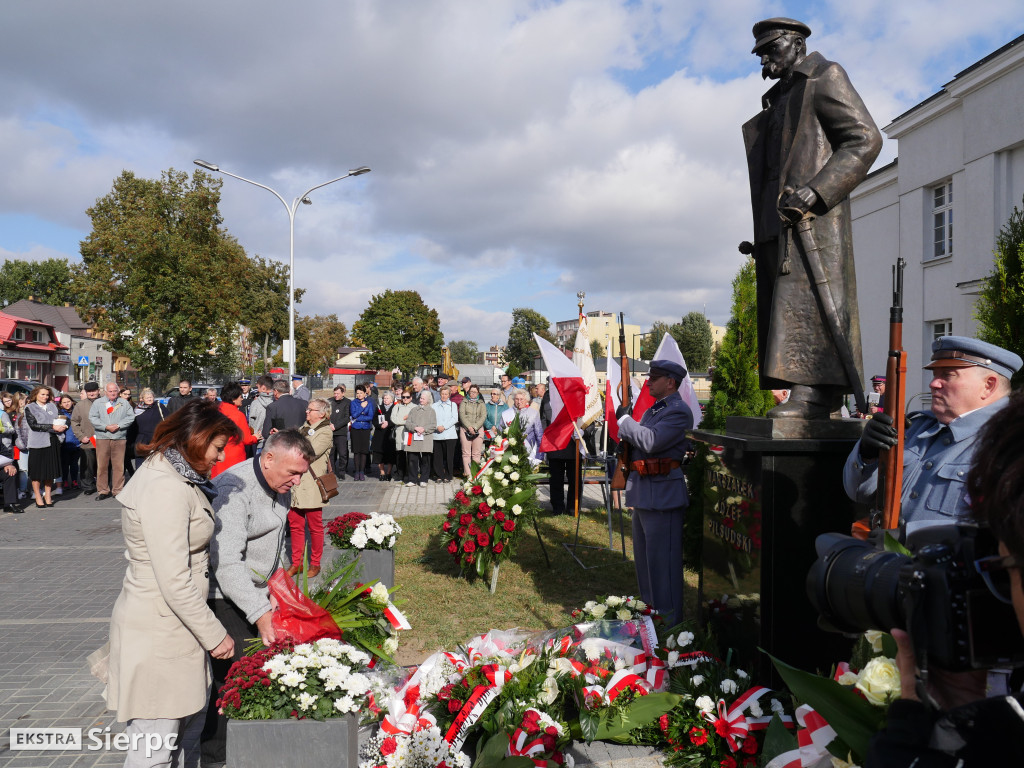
[19, 385]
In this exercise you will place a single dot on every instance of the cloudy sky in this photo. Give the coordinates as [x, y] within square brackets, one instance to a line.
[522, 150]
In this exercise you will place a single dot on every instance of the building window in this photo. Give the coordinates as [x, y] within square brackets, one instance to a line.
[941, 328]
[942, 221]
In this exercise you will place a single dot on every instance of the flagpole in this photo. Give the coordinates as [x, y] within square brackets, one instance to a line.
[577, 476]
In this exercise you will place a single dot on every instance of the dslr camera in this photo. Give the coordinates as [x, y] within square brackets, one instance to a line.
[949, 595]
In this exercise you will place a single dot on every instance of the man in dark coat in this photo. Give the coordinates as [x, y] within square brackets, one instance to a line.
[185, 395]
[812, 143]
[286, 412]
[340, 417]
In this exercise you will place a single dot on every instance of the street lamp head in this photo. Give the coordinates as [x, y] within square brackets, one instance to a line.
[306, 201]
[207, 166]
[359, 171]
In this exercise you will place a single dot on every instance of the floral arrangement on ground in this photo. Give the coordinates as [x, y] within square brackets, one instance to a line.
[488, 514]
[355, 530]
[511, 694]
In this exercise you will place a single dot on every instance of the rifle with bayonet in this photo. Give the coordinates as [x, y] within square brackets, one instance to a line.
[626, 399]
[890, 462]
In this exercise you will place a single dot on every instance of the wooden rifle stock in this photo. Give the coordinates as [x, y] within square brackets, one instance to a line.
[625, 398]
[890, 462]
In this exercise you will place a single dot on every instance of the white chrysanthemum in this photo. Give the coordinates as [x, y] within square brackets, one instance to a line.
[345, 704]
[697, 681]
[741, 674]
[379, 593]
[777, 707]
[276, 666]
[303, 649]
[705, 704]
[684, 639]
[391, 645]
[306, 700]
[729, 686]
[673, 659]
[592, 647]
[358, 539]
[292, 678]
[755, 709]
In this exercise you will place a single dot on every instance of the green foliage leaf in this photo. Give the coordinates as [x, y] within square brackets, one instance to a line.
[777, 740]
[892, 544]
[640, 712]
[853, 719]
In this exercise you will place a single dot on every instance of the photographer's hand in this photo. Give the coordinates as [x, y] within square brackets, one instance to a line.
[878, 434]
[907, 664]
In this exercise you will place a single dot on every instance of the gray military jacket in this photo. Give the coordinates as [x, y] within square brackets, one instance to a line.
[936, 459]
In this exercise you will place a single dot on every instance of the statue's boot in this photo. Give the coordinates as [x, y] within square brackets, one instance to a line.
[807, 402]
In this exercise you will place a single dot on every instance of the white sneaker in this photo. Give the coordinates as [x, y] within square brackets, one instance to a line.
[423, 485]
[410, 485]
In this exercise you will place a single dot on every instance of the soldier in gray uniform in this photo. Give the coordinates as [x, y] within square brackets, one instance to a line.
[970, 386]
[656, 489]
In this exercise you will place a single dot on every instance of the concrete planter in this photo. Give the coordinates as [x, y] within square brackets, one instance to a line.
[294, 743]
[377, 564]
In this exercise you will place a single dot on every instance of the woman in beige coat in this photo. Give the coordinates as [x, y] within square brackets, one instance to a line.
[472, 414]
[421, 423]
[161, 628]
[307, 504]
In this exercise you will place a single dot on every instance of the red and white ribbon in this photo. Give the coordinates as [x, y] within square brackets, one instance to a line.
[730, 725]
[621, 681]
[657, 676]
[406, 719]
[520, 745]
[813, 739]
[396, 618]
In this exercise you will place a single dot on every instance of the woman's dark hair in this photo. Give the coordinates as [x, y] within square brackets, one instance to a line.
[361, 388]
[231, 392]
[190, 430]
[35, 393]
[996, 480]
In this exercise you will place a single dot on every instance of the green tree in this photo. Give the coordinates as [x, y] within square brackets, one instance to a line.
[317, 339]
[160, 274]
[521, 347]
[596, 349]
[50, 281]
[735, 388]
[1000, 308]
[266, 304]
[463, 351]
[695, 341]
[400, 331]
[650, 343]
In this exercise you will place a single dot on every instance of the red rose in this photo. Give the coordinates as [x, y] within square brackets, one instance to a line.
[750, 745]
[453, 547]
[483, 507]
[749, 762]
[462, 498]
[698, 736]
[499, 516]
[483, 539]
[509, 525]
[551, 730]
[465, 518]
[469, 559]
[454, 705]
[447, 526]
[477, 490]
[473, 530]
[388, 746]
[728, 762]
[498, 547]
[469, 546]
[452, 514]
[490, 531]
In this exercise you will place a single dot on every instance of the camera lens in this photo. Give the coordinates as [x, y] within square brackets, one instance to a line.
[854, 585]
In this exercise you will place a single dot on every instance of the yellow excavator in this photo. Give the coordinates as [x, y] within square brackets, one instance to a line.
[433, 369]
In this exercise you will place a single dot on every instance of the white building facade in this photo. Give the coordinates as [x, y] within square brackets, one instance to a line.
[959, 175]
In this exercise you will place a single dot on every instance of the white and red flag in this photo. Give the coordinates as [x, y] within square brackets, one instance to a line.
[568, 396]
[669, 350]
[612, 400]
[583, 359]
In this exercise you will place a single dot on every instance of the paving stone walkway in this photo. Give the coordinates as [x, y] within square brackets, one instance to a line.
[60, 573]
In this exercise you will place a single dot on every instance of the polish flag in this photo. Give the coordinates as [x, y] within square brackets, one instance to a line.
[583, 359]
[568, 396]
[612, 401]
[669, 350]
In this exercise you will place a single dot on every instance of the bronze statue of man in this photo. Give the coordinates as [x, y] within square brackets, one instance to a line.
[811, 144]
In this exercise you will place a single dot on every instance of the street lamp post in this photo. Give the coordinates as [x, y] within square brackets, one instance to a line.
[291, 239]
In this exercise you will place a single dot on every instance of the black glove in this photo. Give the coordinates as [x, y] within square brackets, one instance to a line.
[623, 410]
[878, 434]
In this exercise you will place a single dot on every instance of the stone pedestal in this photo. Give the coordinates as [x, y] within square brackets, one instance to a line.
[294, 743]
[771, 487]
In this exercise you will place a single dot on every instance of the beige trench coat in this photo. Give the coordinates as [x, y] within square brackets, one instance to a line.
[306, 495]
[161, 627]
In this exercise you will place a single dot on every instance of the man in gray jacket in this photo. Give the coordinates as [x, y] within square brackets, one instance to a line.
[110, 417]
[252, 512]
[83, 430]
[258, 407]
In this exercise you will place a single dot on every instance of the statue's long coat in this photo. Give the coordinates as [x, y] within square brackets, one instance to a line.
[814, 131]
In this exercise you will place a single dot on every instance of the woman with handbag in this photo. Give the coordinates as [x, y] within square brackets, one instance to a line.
[307, 498]
[472, 415]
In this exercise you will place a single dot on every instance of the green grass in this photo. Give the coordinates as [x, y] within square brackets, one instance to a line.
[446, 610]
